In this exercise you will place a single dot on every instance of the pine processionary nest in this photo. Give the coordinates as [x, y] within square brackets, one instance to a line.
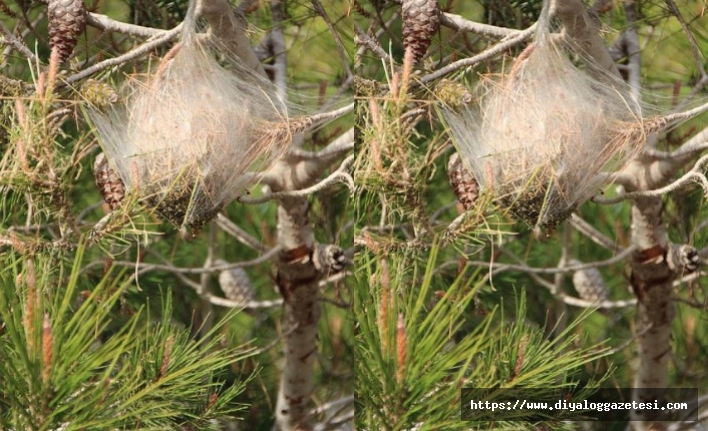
[541, 134]
[187, 136]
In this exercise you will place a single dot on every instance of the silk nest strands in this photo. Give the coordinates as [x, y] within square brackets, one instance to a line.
[191, 137]
[542, 134]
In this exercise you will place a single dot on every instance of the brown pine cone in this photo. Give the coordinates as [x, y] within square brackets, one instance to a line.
[589, 284]
[235, 284]
[67, 19]
[463, 182]
[109, 183]
[421, 20]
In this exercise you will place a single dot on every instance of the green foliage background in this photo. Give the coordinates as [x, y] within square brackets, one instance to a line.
[110, 325]
[405, 205]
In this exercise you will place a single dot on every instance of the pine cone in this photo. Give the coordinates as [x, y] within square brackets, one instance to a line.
[463, 182]
[589, 284]
[67, 20]
[235, 284]
[109, 183]
[421, 20]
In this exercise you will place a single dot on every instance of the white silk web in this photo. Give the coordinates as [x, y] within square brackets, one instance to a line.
[543, 132]
[190, 137]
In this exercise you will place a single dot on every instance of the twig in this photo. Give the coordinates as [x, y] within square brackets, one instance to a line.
[694, 175]
[248, 305]
[16, 43]
[630, 341]
[337, 148]
[104, 23]
[234, 230]
[364, 40]
[337, 406]
[130, 55]
[277, 39]
[696, 145]
[595, 235]
[335, 36]
[484, 55]
[276, 341]
[216, 268]
[691, 39]
[456, 22]
[331, 115]
[571, 268]
[570, 300]
[340, 175]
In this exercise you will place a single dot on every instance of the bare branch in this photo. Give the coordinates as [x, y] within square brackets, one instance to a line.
[484, 55]
[456, 22]
[143, 49]
[364, 40]
[335, 149]
[216, 268]
[234, 230]
[571, 268]
[596, 236]
[340, 175]
[248, 305]
[694, 146]
[104, 23]
[335, 36]
[16, 43]
[691, 39]
[695, 175]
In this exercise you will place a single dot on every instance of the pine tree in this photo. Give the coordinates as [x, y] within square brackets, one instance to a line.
[110, 316]
[444, 261]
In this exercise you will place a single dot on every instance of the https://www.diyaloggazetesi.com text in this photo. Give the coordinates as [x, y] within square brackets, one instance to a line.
[601, 405]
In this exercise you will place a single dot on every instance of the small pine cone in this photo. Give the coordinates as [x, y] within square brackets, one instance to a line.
[98, 94]
[589, 284]
[452, 94]
[109, 183]
[330, 258]
[67, 19]
[235, 284]
[421, 20]
[463, 182]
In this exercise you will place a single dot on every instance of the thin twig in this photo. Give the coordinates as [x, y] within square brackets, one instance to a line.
[234, 230]
[482, 56]
[277, 39]
[335, 36]
[248, 305]
[364, 40]
[595, 235]
[335, 149]
[130, 55]
[104, 23]
[691, 39]
[694, 175]
[338, 176]
[216, 268]
[456, 22]
[696, 145]
[571, 268]
[16, 43]
[567, 299]
[630, 341]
